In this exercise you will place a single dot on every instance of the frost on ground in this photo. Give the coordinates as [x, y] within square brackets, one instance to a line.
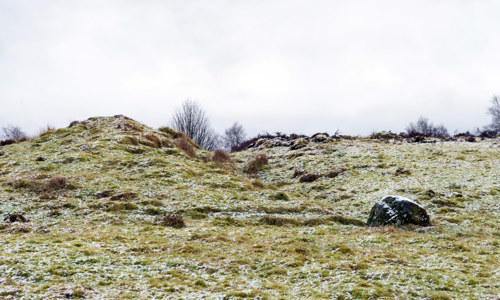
[256, 236]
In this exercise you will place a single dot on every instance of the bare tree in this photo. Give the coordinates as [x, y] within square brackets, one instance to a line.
[191, 119]
[424, 127]
[234, 136]
[14, 133]
[494, 111]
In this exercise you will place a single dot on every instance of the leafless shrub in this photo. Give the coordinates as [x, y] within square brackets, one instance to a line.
[191, 119]
[234, 136]
[12, 132]
[425, 128]
[494, 111]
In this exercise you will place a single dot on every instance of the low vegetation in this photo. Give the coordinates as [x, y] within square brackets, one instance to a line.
[87, 214]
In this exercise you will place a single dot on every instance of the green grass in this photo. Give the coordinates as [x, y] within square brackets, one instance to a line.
[244, 237]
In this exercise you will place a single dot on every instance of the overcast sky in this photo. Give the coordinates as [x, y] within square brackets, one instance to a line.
[288, 66]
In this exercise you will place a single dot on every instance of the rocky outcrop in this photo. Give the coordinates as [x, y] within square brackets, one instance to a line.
[397, 211]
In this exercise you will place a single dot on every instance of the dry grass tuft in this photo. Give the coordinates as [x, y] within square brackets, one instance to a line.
[185, 145]
[48, 128]
[221, 157]
[151, 140]
[55, 183]
[256, 164]
[39, 185]
[174, 221]
[346, 220]
[279, 221]
[173, 133]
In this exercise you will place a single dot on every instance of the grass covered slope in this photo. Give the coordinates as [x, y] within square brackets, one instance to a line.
[94, 194]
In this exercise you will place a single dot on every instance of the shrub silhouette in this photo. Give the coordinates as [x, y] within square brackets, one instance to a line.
[494, 111]
[191, 119]
[425, 128]
[234, 136]
[14, 133]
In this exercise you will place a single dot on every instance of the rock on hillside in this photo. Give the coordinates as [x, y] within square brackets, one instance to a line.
[397, 210]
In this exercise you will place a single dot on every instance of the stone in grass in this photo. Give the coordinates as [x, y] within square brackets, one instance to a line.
[397, 211]
[102, 194]
[16, 218]
[309, 178]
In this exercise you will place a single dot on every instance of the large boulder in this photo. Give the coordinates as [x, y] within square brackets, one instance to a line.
[398, 211]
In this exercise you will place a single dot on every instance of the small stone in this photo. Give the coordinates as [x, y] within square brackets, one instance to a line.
[309, 178]
[102, 194]
[431, 193]
[320, 138]
[15, 218]
[402, 171]
[335, 172]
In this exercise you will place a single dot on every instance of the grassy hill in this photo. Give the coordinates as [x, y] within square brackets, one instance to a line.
[274, 221]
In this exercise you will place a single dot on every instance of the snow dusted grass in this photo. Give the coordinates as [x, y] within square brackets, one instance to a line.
[266, 237]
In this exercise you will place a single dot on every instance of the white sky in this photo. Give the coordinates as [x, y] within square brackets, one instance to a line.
[289, 66]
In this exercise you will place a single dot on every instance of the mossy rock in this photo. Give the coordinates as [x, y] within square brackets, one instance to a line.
[397, 211]
[280, 196]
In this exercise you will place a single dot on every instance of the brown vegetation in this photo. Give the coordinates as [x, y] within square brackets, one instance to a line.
[256, 164]
[174, 221]
[47, 128]
[40, 185]
[221, 157]
[185, 145]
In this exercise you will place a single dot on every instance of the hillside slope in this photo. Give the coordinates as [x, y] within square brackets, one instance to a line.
[95, 194]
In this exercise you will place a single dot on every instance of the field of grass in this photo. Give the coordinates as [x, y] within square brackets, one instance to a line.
[95, 195]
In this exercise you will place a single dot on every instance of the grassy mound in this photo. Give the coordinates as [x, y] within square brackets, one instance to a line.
[110, 208]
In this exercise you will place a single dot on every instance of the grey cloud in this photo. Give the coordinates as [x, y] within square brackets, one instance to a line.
[286, 66]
